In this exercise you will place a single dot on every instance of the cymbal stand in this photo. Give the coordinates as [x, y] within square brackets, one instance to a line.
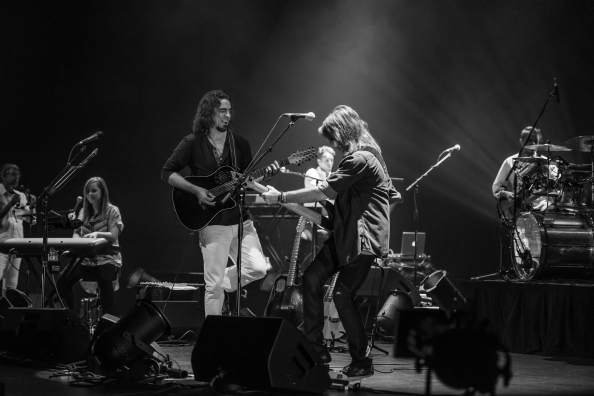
[415, 184]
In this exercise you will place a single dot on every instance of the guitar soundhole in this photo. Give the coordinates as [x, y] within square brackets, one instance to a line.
[280, 285]
[222, 177]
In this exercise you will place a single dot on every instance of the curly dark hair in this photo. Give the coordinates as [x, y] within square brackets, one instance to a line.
[203, 120]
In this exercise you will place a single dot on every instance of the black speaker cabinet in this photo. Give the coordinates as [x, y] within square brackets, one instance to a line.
[53, 334]
[259, 354]
[184, 316]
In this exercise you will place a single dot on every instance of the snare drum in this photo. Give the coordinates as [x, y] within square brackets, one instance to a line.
[553, 245]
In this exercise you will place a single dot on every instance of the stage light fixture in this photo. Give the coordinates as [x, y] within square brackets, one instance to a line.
[443, 292]
[388, 315]
[125, 342]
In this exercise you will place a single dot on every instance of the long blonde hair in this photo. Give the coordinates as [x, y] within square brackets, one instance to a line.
[87, 210]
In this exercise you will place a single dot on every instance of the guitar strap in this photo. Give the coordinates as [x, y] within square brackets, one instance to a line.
[233, 152]
[379, 158]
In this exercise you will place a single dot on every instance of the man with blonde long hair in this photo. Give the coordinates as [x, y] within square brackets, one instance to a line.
[363, 194]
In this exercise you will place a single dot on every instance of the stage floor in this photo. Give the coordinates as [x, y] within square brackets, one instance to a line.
[532, 375]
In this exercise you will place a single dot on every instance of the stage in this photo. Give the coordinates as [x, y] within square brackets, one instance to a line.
[532, 375]
[544, 318]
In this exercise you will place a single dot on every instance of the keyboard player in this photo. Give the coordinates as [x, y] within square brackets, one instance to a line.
[100, 219]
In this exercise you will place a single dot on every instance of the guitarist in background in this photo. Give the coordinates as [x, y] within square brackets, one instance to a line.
[363, 194]
[14, 205]
[210, 146]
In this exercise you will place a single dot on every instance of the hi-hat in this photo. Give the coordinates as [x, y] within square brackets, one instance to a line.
[532, 160]
[581, 143]
[548, 147]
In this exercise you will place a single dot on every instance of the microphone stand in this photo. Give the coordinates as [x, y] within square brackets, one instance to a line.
[415, 184]
[56, 185]
[238, 189]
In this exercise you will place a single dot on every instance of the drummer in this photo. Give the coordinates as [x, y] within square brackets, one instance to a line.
[503, 189]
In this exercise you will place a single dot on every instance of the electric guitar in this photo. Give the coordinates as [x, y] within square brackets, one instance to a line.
[195, 216]
[286, 299]
[332, 323]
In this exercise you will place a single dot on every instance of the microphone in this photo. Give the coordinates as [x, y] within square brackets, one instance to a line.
[285, 170]
[556, 91]
[94, 136]
[72, 215]
[456, 147]
[308, 116]
[94, 153]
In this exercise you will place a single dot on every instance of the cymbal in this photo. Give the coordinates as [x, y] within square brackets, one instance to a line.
[544, 193]
[581, 143]
[547, 147]
[532, 160]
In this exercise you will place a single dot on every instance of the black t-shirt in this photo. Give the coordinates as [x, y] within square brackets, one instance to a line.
[197, 152]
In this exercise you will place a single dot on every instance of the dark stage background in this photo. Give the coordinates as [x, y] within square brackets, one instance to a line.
[425, 75]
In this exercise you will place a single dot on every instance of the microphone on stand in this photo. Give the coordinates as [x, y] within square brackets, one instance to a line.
[285, 170]
[456, 147]
[556, 91]
[94, 136]
[72, 215]
[89, 157]
[308, 116]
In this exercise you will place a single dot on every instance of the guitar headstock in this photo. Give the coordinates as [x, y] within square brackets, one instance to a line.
[301, 225]
[301, 156]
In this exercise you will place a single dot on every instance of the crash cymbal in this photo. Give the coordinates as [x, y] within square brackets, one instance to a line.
[547, 147]
[532, 160]
[581, 143]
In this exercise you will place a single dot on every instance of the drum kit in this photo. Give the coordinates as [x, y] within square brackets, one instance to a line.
[556, 243]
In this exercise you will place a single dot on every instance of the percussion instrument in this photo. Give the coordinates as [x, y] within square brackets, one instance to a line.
[547, 147]
[584, 144]
[553, 245]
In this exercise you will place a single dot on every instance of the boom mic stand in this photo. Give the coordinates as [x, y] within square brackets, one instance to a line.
[501, 272]
[240, 192]
[56, 185]
[416, 210]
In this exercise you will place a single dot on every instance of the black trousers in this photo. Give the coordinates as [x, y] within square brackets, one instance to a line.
[104, 275]
[350, 279]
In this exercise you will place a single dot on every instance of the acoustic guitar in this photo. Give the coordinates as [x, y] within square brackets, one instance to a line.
[195, 216]
[286, 299]
[332, 324]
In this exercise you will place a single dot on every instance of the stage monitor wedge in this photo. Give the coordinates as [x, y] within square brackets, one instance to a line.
[258, 354]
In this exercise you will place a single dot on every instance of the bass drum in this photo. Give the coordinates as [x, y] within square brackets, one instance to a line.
[553, 245]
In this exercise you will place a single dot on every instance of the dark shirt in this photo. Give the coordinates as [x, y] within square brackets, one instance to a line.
[197, 153]
[363, 193]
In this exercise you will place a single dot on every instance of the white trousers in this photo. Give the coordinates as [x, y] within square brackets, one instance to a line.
[217, 244]
[9, 275]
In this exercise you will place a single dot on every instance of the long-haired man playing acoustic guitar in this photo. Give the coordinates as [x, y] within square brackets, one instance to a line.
[363, 194]
[211, 146]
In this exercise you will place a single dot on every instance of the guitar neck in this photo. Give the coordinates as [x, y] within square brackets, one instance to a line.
[328, 296]
[228, 186]
[291, 275]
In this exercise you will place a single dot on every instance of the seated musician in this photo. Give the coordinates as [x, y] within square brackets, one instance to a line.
[14, 206]
[503, 187]
[313, 177]
[100, 219]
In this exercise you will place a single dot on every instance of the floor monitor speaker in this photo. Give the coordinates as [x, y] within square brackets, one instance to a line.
[259, 354]
[52, 334]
